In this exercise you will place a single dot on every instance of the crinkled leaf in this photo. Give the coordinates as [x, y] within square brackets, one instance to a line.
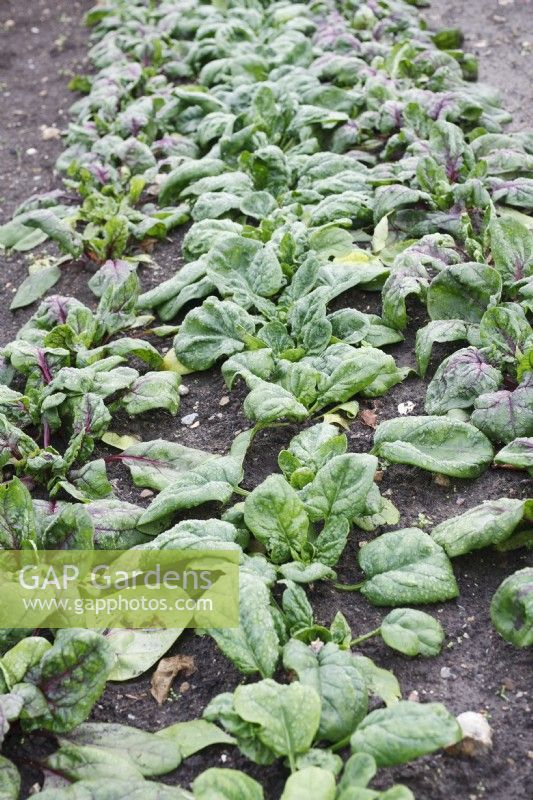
[195, 735]
[71, 529]
[406, 566]
[85, 762]
[380, 682]
[488, 524]
[445, 330]
[335, 677]
[137, 650]
[504, 331]
[287, 716]
[17, 522]
[340, 487]
[511, 608]
[35, 285]
[463, 291]
[504, 416]
[518, 453]
[437, 444]
[254, 645]
[108, 789]
[312, 782]
[459, 380]
[268, 402]
[310, 450]
[214, 480]
[153, 390]
[158, 463]
[277, 517]
[151, 754]
[216, 329]
[61, 690]
[412, 632]
[226, 784]
[405, 731]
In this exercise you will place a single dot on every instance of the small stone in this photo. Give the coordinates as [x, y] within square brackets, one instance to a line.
[31, 151]
[9, 23]
[184, 687]
[446, 673]
[477, 735]
[183, 390]
[406, 408]
[50, 132]
[146, 493]
[442, 480]
[189, 419]
[196, 424]
[224, 757]
[34, 30]
[413, 696]
[223, 401]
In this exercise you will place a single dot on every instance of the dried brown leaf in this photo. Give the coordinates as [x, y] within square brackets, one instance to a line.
[369, 418]
[166, 672]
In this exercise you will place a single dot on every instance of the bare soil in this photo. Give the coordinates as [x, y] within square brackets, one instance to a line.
[42, 44]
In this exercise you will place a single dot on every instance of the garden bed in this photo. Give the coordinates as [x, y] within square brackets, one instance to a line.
[476, 670]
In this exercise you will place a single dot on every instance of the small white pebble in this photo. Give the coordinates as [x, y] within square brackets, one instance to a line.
[183, 390]
[446, 673]
[31, 151]
[189, 419]
[223, 401]
[34, 30]
[406, 408]
[477, 735]
[196, 424]
[50, 132]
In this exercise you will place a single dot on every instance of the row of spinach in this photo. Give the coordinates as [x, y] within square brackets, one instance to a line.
[320, 149]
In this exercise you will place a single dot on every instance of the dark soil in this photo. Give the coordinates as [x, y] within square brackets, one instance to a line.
[42, 45]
